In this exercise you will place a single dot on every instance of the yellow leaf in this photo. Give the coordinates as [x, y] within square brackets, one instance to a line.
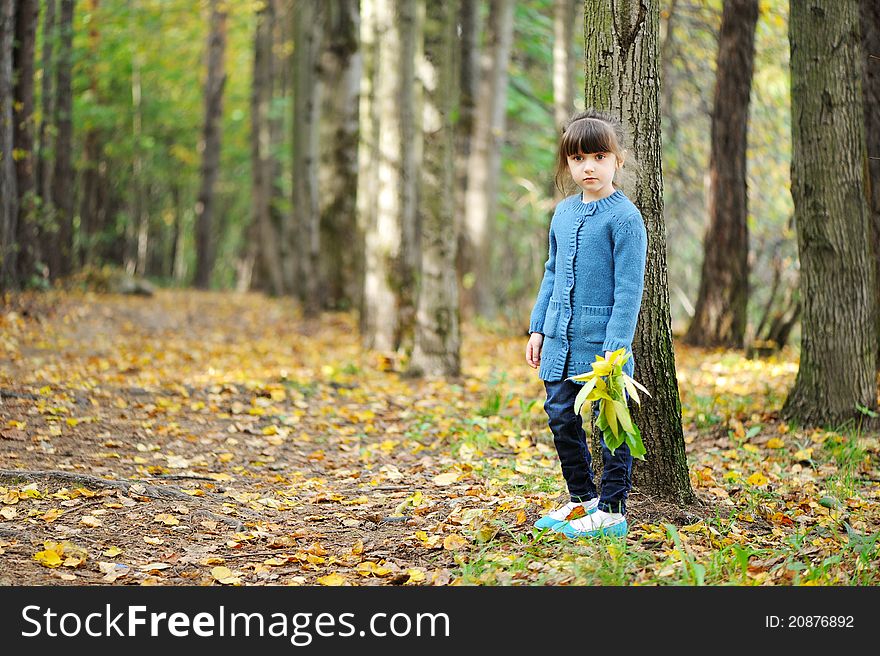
[150, 540]
[611, 417]
[415, 575]
[358, 547]
[225, 576]
[225, 457]
[112, 552]
[332, 579]
[91, 522]
[167, 519]
[453, 541]
[775, 443]
[445, 479]
[757, 479]
[52, 514]
[8, 513]
[49, 558]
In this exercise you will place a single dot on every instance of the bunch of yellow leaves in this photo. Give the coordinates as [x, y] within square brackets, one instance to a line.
[608, 385]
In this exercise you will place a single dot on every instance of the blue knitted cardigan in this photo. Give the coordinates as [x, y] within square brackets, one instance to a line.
[590, 297]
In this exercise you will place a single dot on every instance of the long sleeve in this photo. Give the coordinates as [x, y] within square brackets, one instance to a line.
[536, 322]
[630, 252]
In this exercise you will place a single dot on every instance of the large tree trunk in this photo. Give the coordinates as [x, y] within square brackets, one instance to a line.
[214, 84]
[870, 23]
[722, 302]
[837, 369]
[8, 190]
[264, 243]
[61, 254]
[437, 338]
[624, 81]
[306, 234]
[485, 159]
[341, 253]
[392, 230]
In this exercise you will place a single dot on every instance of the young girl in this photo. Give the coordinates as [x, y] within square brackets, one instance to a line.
[588, 304]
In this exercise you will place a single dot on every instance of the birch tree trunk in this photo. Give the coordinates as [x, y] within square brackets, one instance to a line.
[211, 135]
[721, 310]
[386, 275]
[625, 82]
[368, 161]
[341, 253]
[306, 235]
[870, 23]
[61, 255]
[469, 76]
[837, 369]
[437, 338]
[8, 187]
[485, 159]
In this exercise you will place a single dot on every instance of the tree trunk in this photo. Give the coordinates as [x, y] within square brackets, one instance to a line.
[23, 138]
[47, 104]
[306, 235]
[564, 12]
[265, 238]
[210, 144]
[722, 303]
[341, 256]
[468, 46]
[61, 255]
[485, 160]
[368, 159]
[624, 81]
[437, 338]
[870, 23]
[387, 237]
[91, 213]
[8, 187]
[837, 369]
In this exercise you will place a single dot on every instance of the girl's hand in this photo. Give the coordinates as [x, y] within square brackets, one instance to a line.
[533, 350]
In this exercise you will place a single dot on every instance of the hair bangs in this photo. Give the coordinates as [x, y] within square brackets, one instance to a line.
[589, 135]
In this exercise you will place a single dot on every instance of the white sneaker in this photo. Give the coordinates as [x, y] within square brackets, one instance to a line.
[595, 524]
[570, 511]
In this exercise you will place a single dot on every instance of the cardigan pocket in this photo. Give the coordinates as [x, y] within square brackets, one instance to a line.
[551, 319]
[593, 321]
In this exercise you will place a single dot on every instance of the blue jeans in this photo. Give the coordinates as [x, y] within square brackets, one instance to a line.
[574, 454]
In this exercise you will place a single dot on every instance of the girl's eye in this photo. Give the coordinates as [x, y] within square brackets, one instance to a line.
[600, 155]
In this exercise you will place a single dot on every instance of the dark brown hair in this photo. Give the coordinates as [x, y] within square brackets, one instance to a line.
[588, 132]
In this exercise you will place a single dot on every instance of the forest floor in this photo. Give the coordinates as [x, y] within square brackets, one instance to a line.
[206, 438]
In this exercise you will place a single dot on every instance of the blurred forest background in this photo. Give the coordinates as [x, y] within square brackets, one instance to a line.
[119, 177]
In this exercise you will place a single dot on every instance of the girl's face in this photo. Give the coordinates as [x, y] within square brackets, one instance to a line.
[594, 173]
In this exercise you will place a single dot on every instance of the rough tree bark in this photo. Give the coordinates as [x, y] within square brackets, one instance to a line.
[721, 309]
[623, 79]
[870, 24]
[341, 253]
[837, 370]
[306, 234]
[437, 338]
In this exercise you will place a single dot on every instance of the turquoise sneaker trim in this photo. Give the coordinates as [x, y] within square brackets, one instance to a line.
[615, 530]
[548, 522]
